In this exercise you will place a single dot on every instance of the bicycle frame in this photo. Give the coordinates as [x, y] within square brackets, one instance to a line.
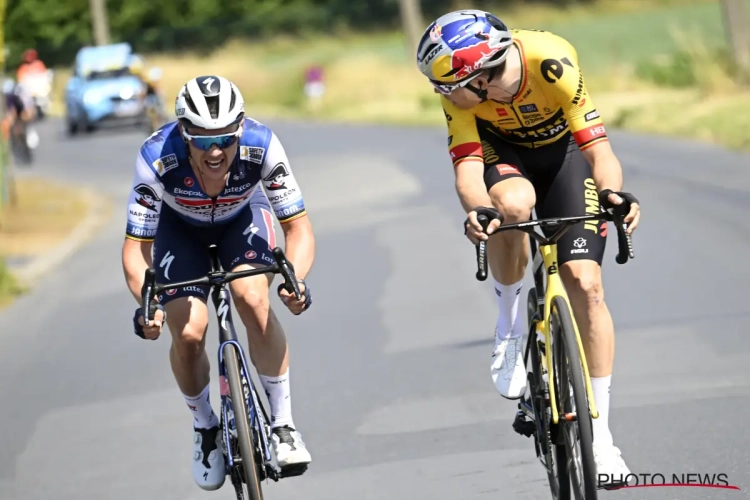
[555, 287]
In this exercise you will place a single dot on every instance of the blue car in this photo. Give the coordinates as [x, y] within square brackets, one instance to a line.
[102, 91]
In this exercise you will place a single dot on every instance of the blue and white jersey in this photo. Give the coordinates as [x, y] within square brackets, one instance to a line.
[163, 174]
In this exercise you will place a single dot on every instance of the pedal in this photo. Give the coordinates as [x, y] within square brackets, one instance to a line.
[293, 470]
[523, 426]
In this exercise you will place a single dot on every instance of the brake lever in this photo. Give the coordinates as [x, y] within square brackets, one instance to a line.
[624, 240]
[148, 308]
[287, 272]
[482, 250]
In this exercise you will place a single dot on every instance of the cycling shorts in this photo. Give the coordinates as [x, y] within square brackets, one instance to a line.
[181, 249]
[563, 184]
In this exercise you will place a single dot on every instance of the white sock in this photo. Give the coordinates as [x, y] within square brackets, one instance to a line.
[600, 387]
[200, 405]
[509, 324]
[279, 397]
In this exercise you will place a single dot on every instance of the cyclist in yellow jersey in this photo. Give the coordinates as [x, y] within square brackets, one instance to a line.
[523, 134]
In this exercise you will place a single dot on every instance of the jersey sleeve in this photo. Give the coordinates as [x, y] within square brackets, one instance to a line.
[144, 203]
[463, 136]
[562, 77]
[281, 187]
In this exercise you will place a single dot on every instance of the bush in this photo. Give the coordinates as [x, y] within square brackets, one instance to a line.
[676, 70]
[685, 69]
[8, 286]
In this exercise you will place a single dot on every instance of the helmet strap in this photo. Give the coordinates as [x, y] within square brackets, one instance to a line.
[482, 93]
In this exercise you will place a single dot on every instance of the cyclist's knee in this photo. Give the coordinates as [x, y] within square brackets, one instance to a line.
[514, 198]
[250, 296]
[583, 278]
[187, 318]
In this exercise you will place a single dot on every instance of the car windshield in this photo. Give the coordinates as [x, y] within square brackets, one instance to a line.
[110, 73]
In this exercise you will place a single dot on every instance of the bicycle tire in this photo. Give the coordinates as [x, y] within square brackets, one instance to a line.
[564, 342]
[557, 473]
[242, 424]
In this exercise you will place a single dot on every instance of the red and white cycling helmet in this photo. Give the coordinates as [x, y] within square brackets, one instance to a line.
[459, 45]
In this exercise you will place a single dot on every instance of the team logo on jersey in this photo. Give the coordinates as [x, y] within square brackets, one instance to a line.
[277, 178]
[528, 108]
[146, 196]
[165, 164]
[592, 115]
[252, 154]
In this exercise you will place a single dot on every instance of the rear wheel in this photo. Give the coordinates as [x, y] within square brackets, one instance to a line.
[242, 423]
[574, 433]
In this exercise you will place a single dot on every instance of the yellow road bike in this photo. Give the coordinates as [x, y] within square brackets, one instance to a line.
[563, 435]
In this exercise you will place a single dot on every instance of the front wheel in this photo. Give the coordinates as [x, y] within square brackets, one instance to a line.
[242, 423]
[576, 431]
[553, 454]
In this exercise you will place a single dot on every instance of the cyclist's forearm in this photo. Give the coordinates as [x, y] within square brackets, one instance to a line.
[472, 195]
[134, 264]
[300, 245]
[470, 186]
[605, 167]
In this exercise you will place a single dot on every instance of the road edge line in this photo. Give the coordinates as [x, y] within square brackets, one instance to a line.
[97, 214]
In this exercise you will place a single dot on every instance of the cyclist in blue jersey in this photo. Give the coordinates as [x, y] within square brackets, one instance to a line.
[196, 183]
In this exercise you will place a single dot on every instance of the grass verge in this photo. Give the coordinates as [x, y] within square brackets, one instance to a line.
[9, 287]
[637, 65]
[43, 215]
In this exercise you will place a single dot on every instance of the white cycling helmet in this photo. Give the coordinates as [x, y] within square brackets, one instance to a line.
[209, 102]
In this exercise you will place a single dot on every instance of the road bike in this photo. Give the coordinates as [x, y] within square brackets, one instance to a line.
[244, 426]
[563, 435]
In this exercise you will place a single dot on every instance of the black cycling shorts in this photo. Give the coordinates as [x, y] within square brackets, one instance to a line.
[564, 187]
[181, 249]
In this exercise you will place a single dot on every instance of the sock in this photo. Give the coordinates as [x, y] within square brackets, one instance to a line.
[279, 397]
[600, 387]
[508, 322]
[200, 405]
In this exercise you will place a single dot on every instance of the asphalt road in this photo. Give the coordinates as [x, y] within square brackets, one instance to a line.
[390, 368]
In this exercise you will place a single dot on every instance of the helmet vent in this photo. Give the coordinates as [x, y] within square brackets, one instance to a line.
[213, 106]
[190, 104]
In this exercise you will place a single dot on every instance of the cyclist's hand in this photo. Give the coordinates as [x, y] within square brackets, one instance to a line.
[294, 305]
[152, 331]
[473, 230]
[634, 214]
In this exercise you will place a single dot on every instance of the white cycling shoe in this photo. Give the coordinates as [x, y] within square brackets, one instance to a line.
[508, 369]
[610, 467]
[209, 470]
[289, 448]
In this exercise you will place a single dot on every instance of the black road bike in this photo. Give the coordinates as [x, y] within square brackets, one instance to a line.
[244, 422]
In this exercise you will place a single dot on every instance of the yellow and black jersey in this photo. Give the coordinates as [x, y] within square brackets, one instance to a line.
[551, 101]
